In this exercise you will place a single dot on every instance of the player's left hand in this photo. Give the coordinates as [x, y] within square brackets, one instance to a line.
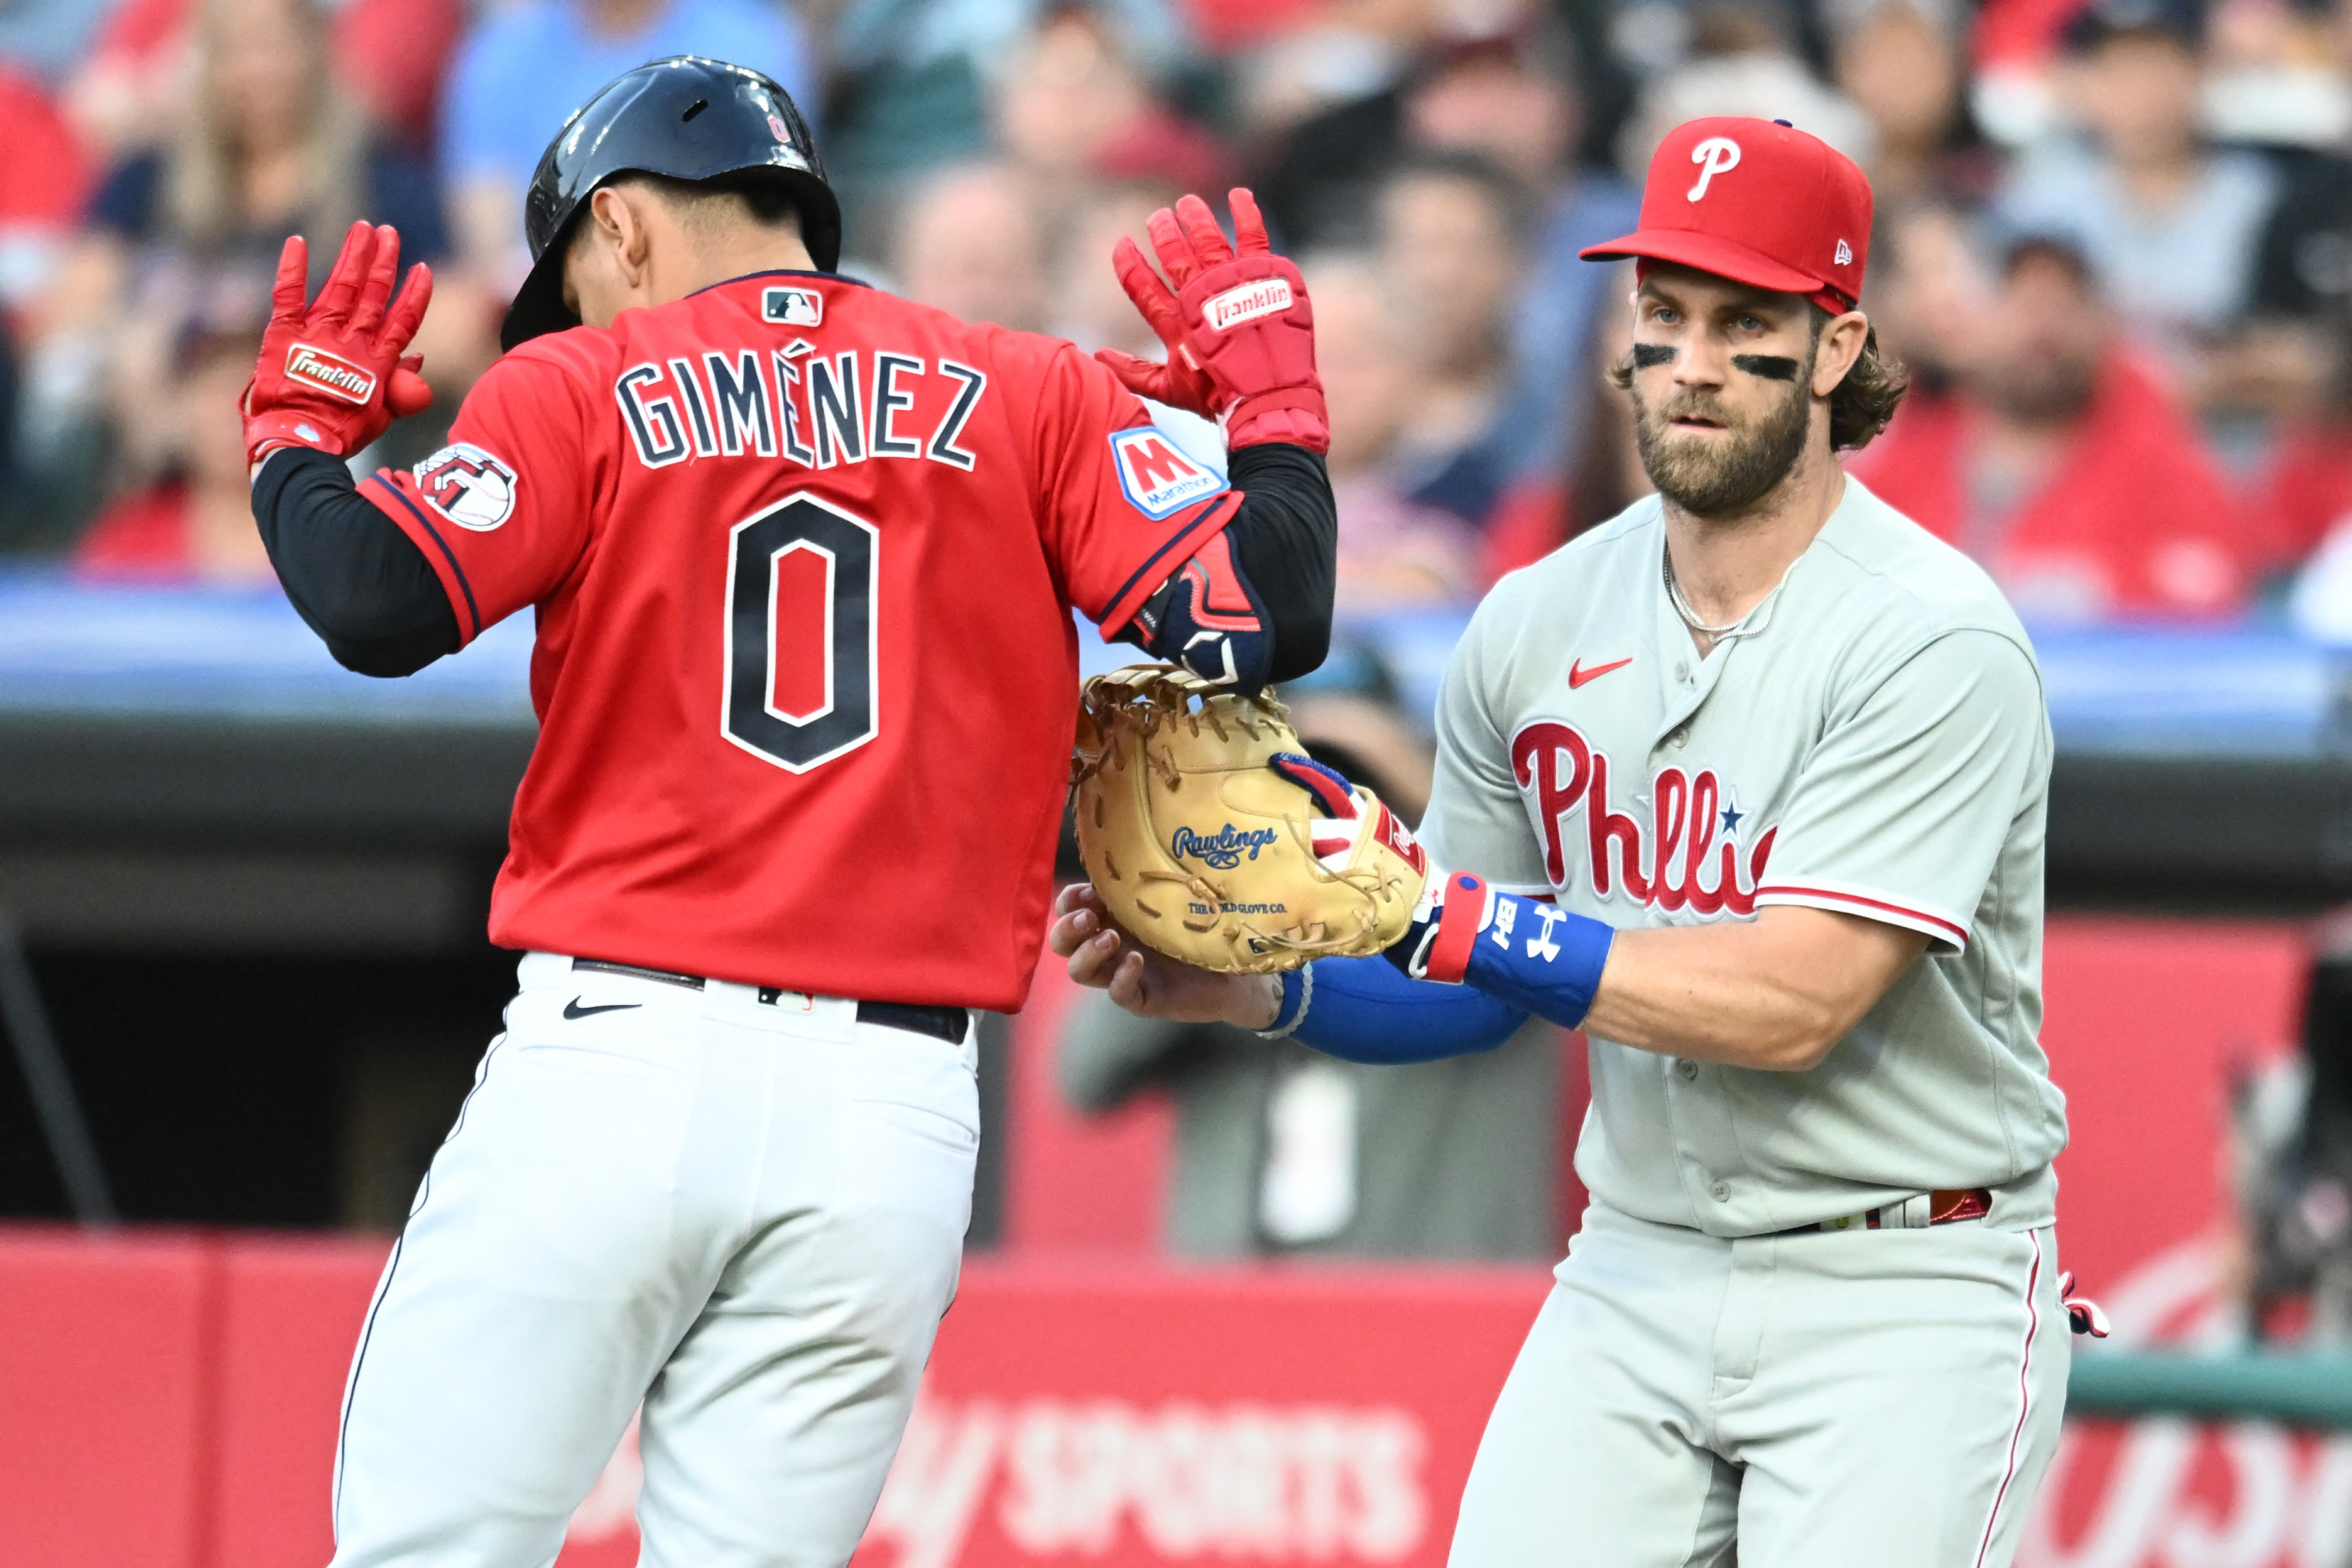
[1239, 329]
[332, 376]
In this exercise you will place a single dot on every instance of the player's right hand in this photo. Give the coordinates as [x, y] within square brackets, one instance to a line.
[1239, 329]
[334, 375]
[1152, 984]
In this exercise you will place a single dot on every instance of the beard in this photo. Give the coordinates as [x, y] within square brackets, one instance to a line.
[1710, 478]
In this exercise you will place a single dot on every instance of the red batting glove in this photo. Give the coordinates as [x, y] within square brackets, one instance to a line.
[332, 376]
[1239, 329]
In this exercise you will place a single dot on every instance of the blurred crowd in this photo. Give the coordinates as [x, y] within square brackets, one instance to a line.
[2114, 241]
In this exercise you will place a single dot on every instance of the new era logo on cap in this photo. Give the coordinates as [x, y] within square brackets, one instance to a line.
[1158, 479]
[1844, 256]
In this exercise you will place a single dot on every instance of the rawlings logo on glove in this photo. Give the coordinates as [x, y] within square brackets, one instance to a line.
[1224, 851]
[1212, 836]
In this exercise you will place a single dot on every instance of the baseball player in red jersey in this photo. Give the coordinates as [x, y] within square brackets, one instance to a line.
[803, 557]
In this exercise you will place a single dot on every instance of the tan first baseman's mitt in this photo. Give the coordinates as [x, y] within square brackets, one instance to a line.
[1213, 837]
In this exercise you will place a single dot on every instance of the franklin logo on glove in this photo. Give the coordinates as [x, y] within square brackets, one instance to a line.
[1222, 852]
[328, 374]
[1267, 297]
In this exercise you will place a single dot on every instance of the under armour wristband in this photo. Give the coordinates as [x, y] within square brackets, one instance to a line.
[1529, 954]
[1364, 1010]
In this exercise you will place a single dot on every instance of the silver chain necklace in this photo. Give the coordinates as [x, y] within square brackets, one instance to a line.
[1681, 606]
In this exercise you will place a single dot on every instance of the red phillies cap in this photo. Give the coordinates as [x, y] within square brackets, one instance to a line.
[1758, 202]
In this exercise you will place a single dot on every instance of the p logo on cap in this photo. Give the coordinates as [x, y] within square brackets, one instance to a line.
[1716, 155]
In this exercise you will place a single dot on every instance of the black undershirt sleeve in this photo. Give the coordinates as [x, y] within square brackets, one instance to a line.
[359, 582]
[1285, 538]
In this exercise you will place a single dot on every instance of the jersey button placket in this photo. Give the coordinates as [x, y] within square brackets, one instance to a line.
[1689, 1069]
[1694, 680]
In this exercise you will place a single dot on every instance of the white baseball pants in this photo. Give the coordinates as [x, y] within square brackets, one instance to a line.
[1860, 1399]
[748, 1215]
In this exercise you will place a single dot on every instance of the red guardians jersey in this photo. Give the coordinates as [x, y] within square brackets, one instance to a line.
[802, 554]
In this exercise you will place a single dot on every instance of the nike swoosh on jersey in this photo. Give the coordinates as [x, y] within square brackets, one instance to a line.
[1578, 676]
[572, 1009]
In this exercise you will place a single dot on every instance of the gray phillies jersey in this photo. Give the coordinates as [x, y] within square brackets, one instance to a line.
[1874, 741]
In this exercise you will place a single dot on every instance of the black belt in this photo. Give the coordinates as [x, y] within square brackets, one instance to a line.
[946, 1024]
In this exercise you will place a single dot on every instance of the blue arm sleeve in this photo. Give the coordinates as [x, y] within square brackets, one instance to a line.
[1364, 1010]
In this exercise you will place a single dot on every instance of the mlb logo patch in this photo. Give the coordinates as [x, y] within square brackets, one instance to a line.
[467, 486]
[1159, 478]
[792, 307]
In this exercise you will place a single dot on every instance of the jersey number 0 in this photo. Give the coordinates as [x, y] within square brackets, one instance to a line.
[800, 558]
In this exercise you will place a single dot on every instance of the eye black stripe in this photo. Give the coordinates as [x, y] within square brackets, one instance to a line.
[1771, 367]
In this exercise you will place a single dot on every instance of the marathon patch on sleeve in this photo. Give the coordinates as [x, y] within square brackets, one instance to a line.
[792, 307]
[330, 374]
[467, 486]
[1264, 297]
[1159, 478]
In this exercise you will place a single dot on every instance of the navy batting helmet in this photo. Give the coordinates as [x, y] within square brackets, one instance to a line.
[685, 118]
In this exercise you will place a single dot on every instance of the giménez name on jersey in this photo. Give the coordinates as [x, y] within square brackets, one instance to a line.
[798, 405]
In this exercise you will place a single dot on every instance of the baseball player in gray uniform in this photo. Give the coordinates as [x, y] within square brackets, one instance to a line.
[1748, 782]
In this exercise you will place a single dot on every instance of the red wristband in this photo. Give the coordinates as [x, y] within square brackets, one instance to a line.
[1291, 414]
[282, 428]
[1458, 928]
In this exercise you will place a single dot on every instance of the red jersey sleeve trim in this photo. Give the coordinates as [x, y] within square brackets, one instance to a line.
[1874, 909]
[442, 560]
[1177, 548]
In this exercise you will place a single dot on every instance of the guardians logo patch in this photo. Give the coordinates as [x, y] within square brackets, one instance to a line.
[467, 486]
